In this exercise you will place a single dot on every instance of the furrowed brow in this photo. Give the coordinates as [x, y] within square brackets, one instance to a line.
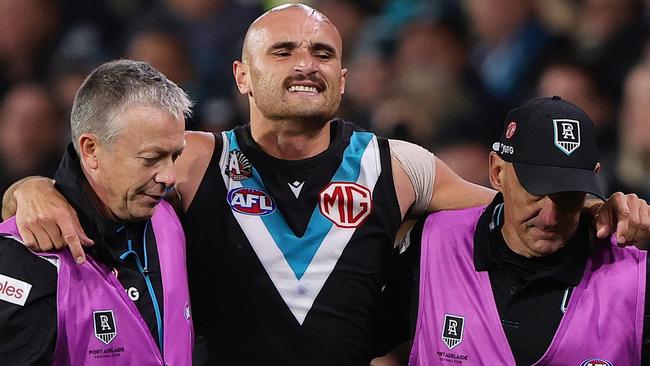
[283, 46]
[323, 47]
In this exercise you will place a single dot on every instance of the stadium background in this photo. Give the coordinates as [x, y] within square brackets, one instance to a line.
[441, 73]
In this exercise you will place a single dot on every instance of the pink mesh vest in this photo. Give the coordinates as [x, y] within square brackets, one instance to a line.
[458, 322]
[97, 322]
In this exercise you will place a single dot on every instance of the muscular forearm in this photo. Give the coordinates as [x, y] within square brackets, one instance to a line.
[451, 192]
[9, 199]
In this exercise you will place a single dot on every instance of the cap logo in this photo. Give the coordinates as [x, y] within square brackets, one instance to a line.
[512, 126]
[566, 135]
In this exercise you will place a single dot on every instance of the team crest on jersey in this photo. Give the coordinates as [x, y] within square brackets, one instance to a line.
[238, 167]
[105, 329]
[452, 330]
[596, 362]
[250, 201]
[346, 204]
[566, 135]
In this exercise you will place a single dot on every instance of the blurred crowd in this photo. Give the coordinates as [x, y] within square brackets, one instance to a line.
[441, 73]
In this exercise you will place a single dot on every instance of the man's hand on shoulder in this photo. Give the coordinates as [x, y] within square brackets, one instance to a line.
[46, 220]
[625, 215]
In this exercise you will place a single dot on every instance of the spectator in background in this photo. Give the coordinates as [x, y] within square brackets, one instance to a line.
[610, 36]
[213, 31]
[510, 48]
[367, 87]
[80, 51]
[32, 133]
[461, 144]
[634, 156]
[576, 83]
[28, 29]
[467, 158]
[426, 81]
[434, 85]
[166, 52]
[65, 80]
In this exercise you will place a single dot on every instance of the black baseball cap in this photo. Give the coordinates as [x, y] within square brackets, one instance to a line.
[552, 146]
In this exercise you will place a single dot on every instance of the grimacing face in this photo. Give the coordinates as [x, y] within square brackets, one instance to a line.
[131, 175]
[291, 66]
[534, 226]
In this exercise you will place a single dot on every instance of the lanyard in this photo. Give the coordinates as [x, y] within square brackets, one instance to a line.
[144, 270]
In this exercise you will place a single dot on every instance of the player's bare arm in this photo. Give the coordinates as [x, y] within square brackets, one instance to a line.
[192, 164]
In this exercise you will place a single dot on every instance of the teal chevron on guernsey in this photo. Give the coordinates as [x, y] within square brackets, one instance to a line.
[299, 266]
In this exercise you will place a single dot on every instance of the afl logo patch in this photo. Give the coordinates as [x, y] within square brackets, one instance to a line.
[238, 167]
[596, 362]
[250, 201]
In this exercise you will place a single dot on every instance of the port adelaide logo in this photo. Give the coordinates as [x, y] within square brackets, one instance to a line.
[250, 201]
[238, 167]
[566, 135]
[452, 330]
[105, 329]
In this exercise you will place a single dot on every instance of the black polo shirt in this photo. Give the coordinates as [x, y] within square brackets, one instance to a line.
[531, 294]
[28, 333]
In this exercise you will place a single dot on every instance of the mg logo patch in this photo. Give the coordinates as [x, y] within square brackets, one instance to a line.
[238, 167]
[596, 362]
[346, 204]
[105, 329]
[452, 330]
[566, 135]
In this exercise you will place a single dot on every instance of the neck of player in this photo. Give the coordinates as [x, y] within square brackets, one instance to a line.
[290, 139]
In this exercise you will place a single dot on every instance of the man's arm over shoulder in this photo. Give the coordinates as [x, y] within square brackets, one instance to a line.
[425, 183]
[9, 200]
[192, 164]
[28, 319]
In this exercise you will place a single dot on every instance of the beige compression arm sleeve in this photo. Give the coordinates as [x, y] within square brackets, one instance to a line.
[420, 166]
